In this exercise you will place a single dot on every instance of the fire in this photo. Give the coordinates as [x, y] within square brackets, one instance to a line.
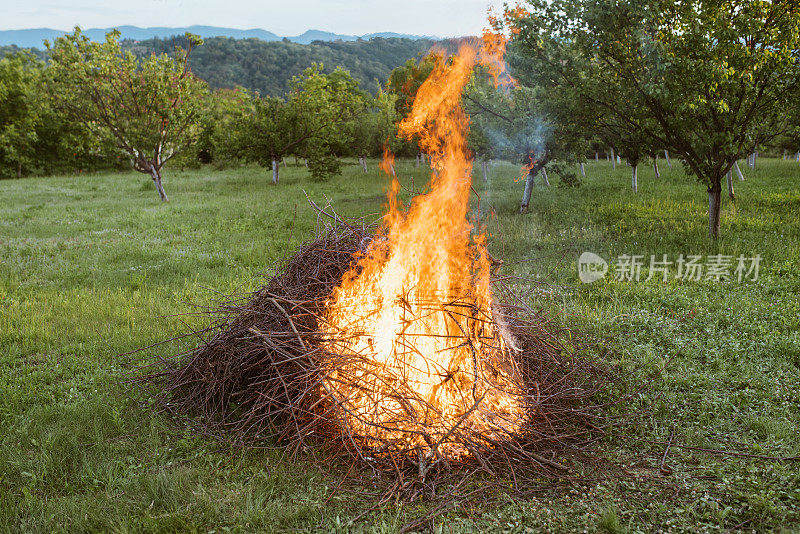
[422, 358]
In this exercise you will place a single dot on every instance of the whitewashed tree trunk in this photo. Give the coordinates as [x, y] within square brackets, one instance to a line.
[635, 178]
[731, 192]
[485, 169]
[156, 174]
[797, 158]
[544, 177]
[608, 158]
[619, 159]
[284, 163]
[596, 157]
[655, 167]
[274, 172]
[784, 155]
[613, 160]
[526, 194]
[583, 170]
[363, 164]
[738, 171]
[666, 157]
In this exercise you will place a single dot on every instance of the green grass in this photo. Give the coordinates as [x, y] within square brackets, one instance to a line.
[93, 266]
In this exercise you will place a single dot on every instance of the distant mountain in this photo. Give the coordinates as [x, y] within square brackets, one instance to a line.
[268, 67]
[33, 38]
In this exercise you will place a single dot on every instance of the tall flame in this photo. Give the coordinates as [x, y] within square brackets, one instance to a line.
[413, 319]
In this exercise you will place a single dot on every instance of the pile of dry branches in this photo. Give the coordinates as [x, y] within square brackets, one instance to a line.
[260, 374]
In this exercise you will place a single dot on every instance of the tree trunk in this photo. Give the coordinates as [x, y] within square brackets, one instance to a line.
[526, 195]
[613, 160]
[544, 177]
[635, 177]
[284, 163]
[731, 193]
[274, 172]
[655, 167]
[714, 208]
[364, 164]
[738, 171]
[666, 156]
[485, 169]
[583, 170]
[416, 160]
[156, 174]
[19, 169]
[784, 155]
[596, 157]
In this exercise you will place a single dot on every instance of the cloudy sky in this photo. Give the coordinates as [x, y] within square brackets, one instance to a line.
[424, 17]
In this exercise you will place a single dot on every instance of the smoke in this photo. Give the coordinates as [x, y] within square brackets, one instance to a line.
[515, 142]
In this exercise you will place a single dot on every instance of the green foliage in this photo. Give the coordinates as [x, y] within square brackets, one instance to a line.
[323, 165]
[35, 138]
[325, 105]
[217, 119]
[20, 113]
[376, 128]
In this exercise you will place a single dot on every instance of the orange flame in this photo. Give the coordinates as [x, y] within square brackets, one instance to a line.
[494, 44]
[414, 316]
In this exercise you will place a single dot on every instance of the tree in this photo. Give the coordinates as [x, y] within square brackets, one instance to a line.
[147, 108]
[326, 105]
[714, 77]
[266, 134]
[314, 122]
[519, 128]
[374, 128]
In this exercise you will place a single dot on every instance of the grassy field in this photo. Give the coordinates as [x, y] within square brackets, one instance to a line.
[92, 265]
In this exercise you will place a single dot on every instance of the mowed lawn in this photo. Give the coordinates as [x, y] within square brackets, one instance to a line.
[94, 266]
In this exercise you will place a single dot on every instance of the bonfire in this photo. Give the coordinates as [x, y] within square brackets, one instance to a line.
[398, 346]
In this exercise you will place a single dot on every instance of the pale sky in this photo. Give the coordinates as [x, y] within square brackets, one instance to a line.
[442, 18]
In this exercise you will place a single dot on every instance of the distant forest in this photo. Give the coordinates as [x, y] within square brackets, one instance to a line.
[267, 67]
